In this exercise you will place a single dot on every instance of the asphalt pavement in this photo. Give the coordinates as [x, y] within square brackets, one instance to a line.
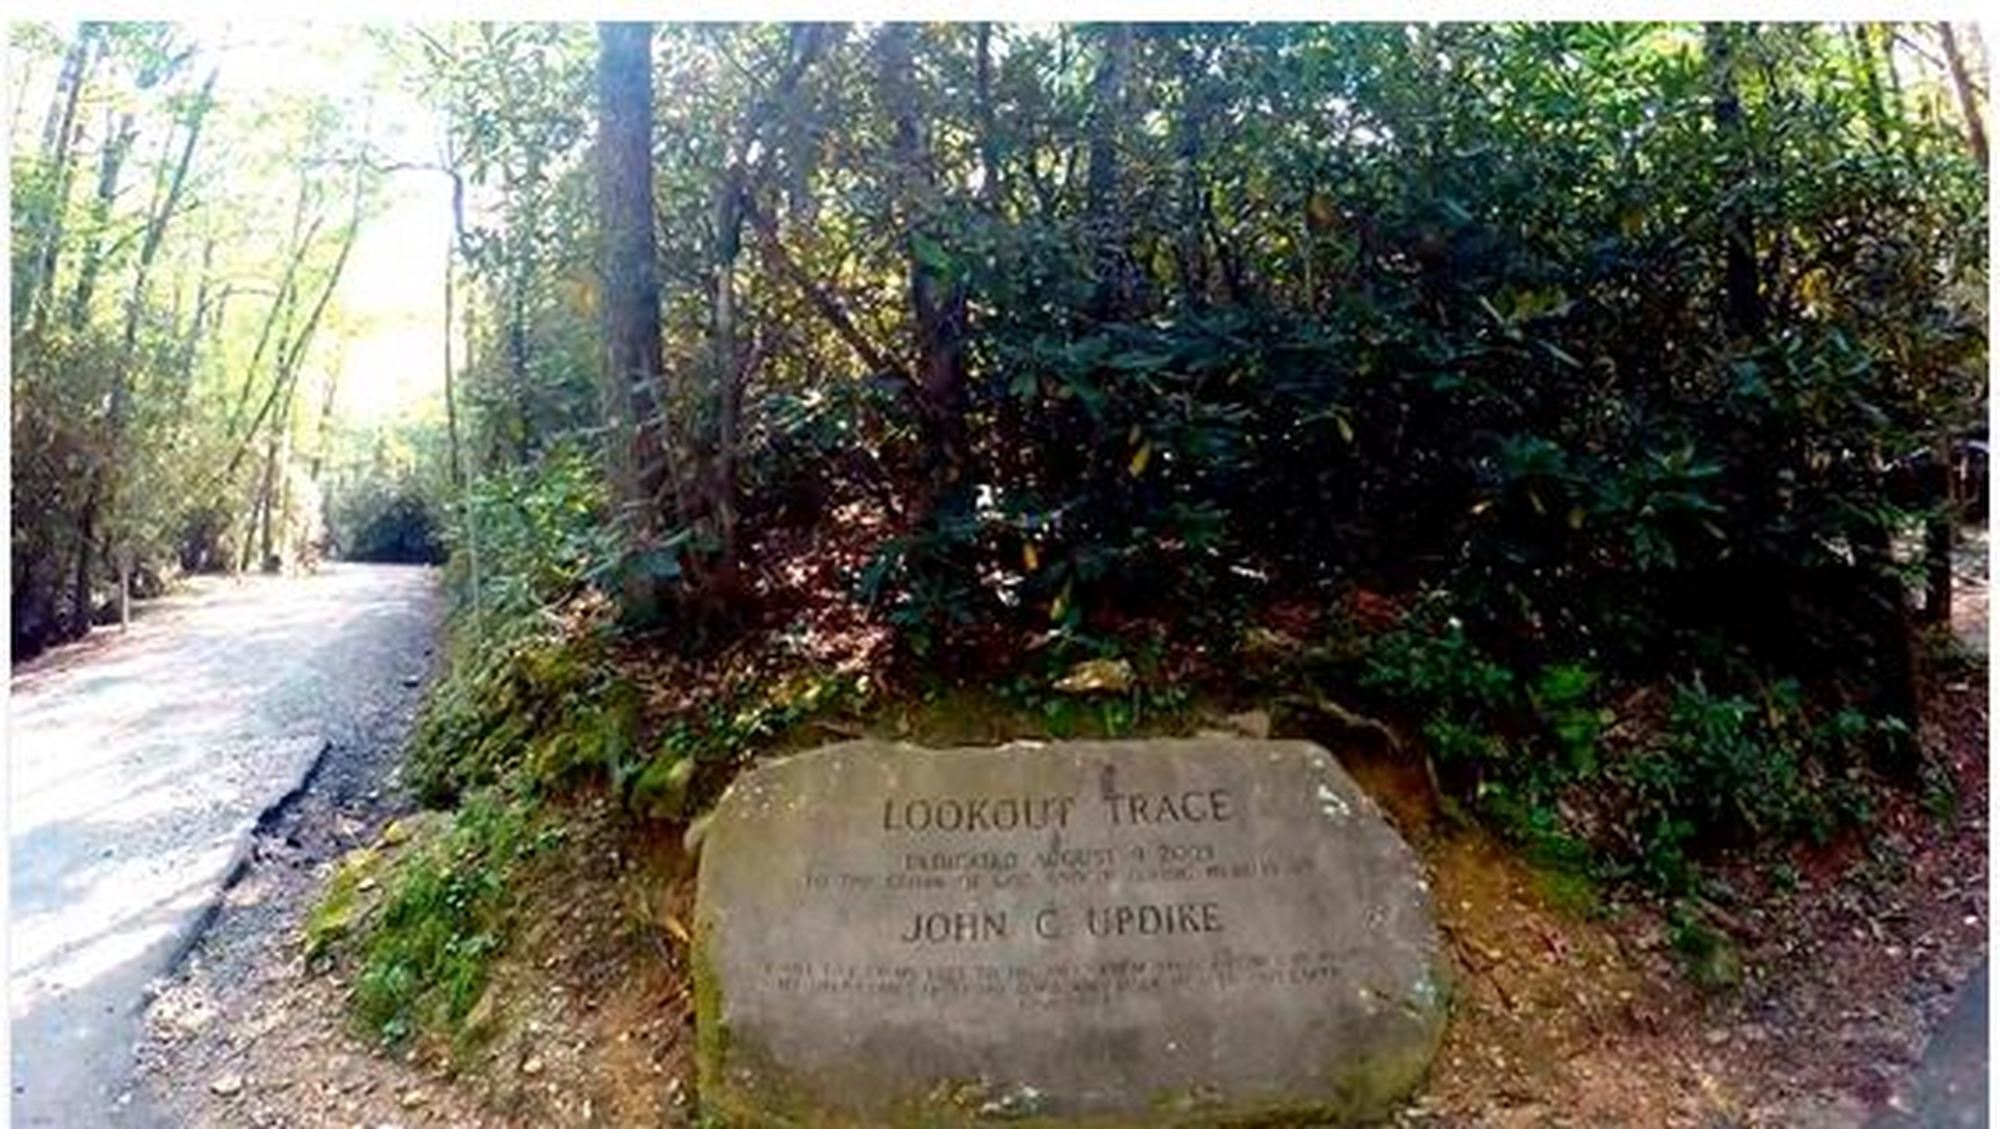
[139, 765]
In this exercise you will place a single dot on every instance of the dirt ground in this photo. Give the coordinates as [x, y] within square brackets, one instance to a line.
[589, 1013]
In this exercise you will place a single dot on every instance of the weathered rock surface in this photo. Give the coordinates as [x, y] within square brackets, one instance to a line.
[1104, 933]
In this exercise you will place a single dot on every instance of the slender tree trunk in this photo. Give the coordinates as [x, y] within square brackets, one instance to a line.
[1871, 80]
[257, 547]
[1940, 531]
[459, 483]
[280, 313]
[291, 354]
[125, 589]
[1103, 213]
[1886, 35]
[60, 133]
[714, 477]
[1968, 101]
[824, 302]
[450, 396]
[21, 88]
[324, 440]
[1194, 190]
[1743, 309]
[100, 492]
[517, 353]
[717, 492]
[198, 325]
[156, 232]
[937, 303]
[635, 453]
[115, 149]
[991, 189]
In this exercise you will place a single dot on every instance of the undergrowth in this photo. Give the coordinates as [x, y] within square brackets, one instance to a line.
[1644, 802]
[422, 925]
[1541, 753]
[421, 917]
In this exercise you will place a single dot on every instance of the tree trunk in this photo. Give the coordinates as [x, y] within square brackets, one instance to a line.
[280, 312]
[634, 454]
[125, 589]
[27, 82]
[1940, 531]
[1743, 309]
[324, 439]
[517, 353]
[291, 354]
[101, 492]
[450, 272]
[1104, 216]
[824, 302]
[156, 232]
[1968, 101]
[60, 132]
[198, 325]
[459, 475]
[715, 481]
[1192, 243]
[937, 303]
[991, 190]
[716, 489]
[1871, 80]
[115, 149]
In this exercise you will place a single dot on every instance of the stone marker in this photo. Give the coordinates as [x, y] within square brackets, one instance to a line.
[1182, 932]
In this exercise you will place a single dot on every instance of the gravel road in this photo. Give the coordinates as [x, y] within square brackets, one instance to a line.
[140, 764]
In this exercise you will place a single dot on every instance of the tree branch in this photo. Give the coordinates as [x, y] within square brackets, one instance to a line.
[825, 303]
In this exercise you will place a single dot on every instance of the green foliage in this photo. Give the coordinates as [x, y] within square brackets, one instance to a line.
[1724, 770]
[542, 703]
[921, 584]
[398, 527]
[1733, 770]
[387, 491]
[750, 721]
[540, 534]
[1148, 707]
[423, 953]
[1407, 360]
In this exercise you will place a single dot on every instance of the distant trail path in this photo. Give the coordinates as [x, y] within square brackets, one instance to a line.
[138, 767]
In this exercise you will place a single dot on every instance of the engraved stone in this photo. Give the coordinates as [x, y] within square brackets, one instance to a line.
[1122, 933]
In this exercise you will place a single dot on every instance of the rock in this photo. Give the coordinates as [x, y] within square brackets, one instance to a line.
[1134, 933]
[226, 1085]
[533, 1066]
[1097, 676]
[1251, 723]
[412, 1098]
